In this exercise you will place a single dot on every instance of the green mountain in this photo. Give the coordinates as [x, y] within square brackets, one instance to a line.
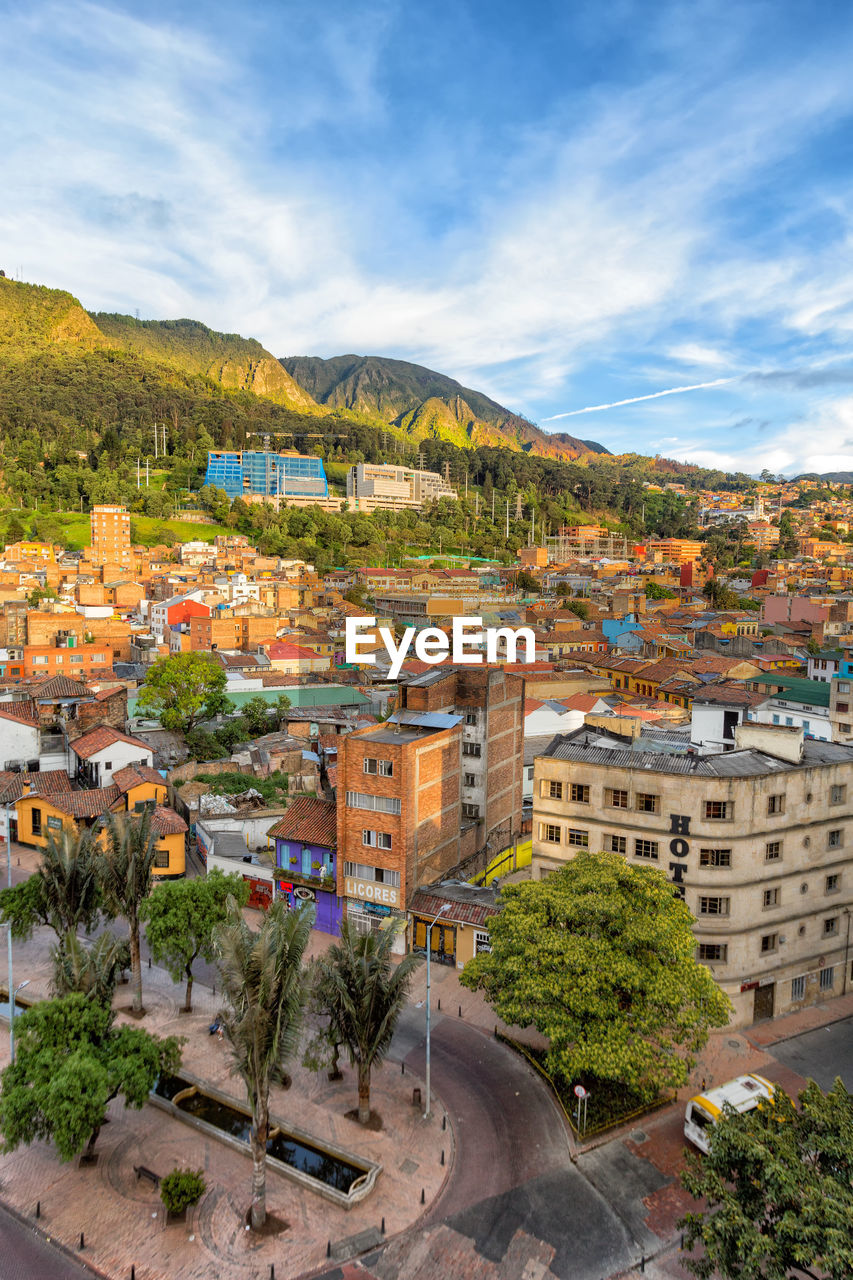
[240, 364]
[425, 404]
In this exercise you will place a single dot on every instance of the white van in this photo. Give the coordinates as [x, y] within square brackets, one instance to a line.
[743, 1094]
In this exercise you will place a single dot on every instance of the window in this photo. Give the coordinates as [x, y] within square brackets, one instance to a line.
[714, 906]
[580, 839]
[775, 804]
[40, 661]
[552, 790]
[471, 717]
[647, 803]
[843, 686]
[715, 857]
[616, 799]
[472, 749]
[580, 793]
[773, 851]
[646, 849]
[469, 780]
[550, 833]
[376, 839]
[714, 951]
[842, 706]
[470, 811]
[837, 794]
[381, 768]
[364, 871]
[835, 839]
[482, 941]
[844, 728]
[771, 897]
[76, 657]
[798, 988]
[381, 804]
[718, 810]
[826, 978]
[830, 926]
[161, 858]
[768, 943]
[616, 844]
[833, 884]
[36, 822]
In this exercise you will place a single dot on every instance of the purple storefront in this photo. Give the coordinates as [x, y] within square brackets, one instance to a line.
[306, 855]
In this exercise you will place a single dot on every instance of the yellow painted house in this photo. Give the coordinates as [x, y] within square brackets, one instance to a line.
[48, 805]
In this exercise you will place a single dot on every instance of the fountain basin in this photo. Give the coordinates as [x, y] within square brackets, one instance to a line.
[322, 1167]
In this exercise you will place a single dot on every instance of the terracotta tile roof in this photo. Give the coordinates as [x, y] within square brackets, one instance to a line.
[104, 736]
[83, 804]
[136, 775]
[166, 822]
[103, 694]
[50, 782]
[61, 687]
[20, 717]
[428, 903]
[309, 820]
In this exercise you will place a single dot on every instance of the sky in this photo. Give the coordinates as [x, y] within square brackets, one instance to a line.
[566, 205]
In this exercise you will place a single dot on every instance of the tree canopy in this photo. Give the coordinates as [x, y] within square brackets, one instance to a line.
[181, 917]
[599, 957]
[184, 689]
[70, 1062]
[778, 1189]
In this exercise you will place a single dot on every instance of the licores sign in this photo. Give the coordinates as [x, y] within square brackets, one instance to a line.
[371, 892]
[468, 643]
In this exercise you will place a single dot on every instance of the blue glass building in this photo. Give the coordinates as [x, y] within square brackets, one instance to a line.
[247, 473]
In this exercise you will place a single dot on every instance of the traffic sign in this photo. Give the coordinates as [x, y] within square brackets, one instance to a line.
[580, 1091]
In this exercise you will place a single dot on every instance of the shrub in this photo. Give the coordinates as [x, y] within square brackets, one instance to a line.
[182, 1188]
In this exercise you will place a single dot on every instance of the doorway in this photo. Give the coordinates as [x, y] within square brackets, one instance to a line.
[762, 1008]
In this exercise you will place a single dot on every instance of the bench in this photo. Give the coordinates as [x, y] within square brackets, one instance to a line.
[142, 1172]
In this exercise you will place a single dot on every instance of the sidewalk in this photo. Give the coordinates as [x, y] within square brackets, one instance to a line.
[123, 1220]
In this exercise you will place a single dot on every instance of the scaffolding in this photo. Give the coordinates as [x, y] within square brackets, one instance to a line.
[561, 549]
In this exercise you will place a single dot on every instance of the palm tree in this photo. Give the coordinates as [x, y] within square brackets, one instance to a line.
[362, 992]
[264, 988]
[68, 876]
[125, 870]
[92, 971]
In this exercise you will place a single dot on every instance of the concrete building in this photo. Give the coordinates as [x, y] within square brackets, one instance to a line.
[757, 840]
[110, 535]
[373, 486]
[255, 475]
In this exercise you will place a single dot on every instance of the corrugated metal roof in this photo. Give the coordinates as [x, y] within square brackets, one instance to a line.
[426, 719]
[728, 764]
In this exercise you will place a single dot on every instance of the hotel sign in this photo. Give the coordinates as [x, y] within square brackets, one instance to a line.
[370, 891]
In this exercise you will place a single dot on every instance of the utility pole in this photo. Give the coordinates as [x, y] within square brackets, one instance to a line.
[147, 461]
[137, 473]
[507, 519]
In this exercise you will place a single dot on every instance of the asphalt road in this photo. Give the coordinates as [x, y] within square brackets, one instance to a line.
[24, 1255]
[513, 1170]
[820, 1055]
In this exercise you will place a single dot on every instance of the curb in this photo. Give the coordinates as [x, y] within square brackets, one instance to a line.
[68, 1253]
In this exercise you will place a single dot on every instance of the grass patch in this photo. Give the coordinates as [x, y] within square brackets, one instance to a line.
[274, 789]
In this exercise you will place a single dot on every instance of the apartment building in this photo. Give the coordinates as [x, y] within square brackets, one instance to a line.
[758, 840]
[231, 631]
[110, 535]
[435, 784]
[373, 486]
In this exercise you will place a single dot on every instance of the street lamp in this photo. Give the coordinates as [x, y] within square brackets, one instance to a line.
[8, 834]
[439, 913]
[14, 997]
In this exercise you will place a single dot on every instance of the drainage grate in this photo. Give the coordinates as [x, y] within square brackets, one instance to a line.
[638, 1136]
[352, 1246]
[408, 1167]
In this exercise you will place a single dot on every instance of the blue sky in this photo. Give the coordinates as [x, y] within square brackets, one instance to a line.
[562, 204]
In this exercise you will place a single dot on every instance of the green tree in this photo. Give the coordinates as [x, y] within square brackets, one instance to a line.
[180, 919]
[15, 531]
[579, 608]
[654, 591]
[787, 545]
[812, 648]
[526, 583]
[264, 988]
[63, 893]
[257, 716]
[125, 872]
[70, 1062]
[184, 689]
[181, 1189]
[359, 988]
[599, 957]
[778, 1191]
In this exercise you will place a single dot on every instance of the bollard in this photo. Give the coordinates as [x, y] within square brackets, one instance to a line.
[643, 1265]
[38, 1208]
[442, 1157]
[329, 1249]
[132, 1272]
[439, 1004]
[82, 1241]
[149, 962]
[382, 1228]
[402, 1068]
[416, 1097]
[444, 1122]
[423, 1196]
[460, 1011]
[681, 1246]
[272, 1271]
